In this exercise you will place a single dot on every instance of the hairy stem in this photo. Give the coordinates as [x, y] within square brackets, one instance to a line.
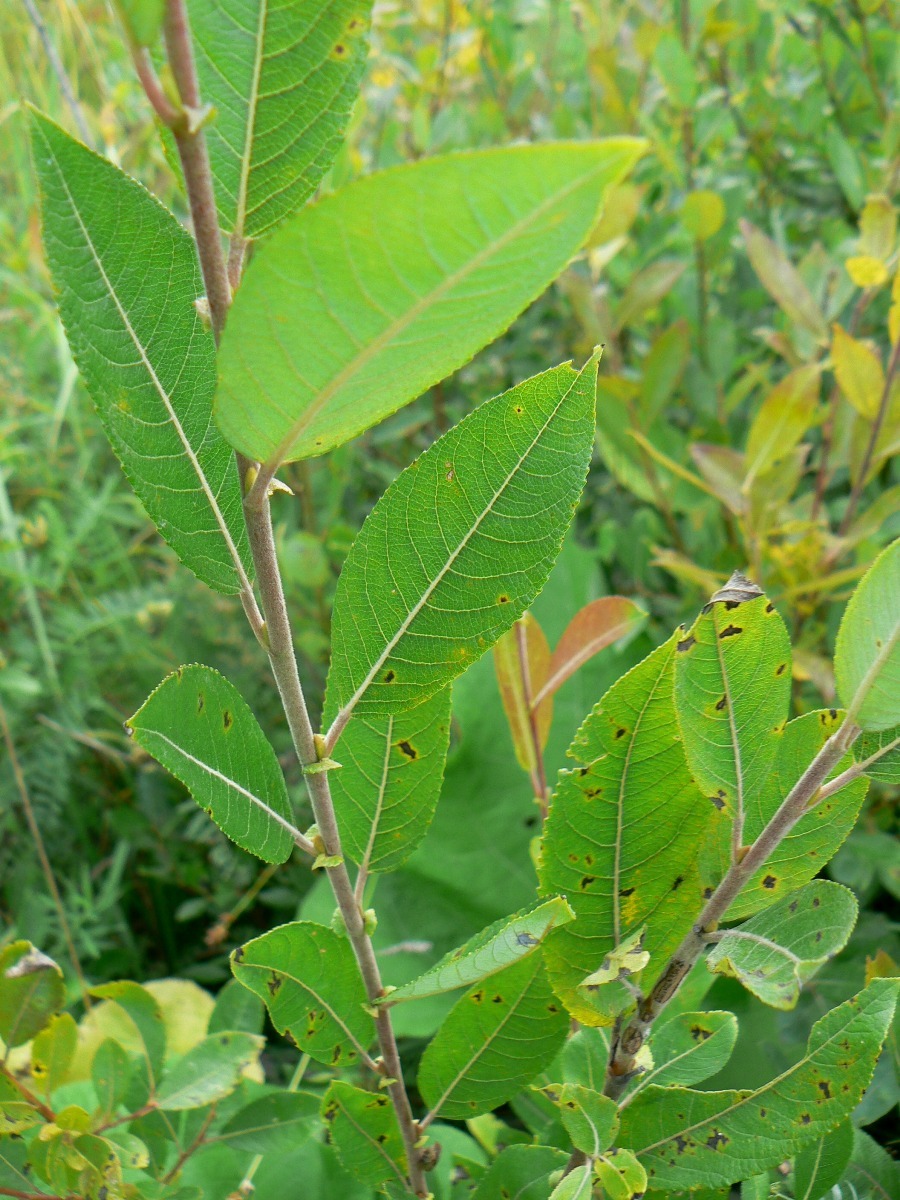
[625, 1047]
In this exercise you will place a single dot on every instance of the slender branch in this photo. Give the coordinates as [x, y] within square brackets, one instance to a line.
[624, 1049]
[191, 141]
[62, 78]
[46, 1112]
[128, 1117]
[860, 482]
[193, 1147]
[5, 1191]
[150, 81]
[284, 668]
[853, 772]
[46, 867]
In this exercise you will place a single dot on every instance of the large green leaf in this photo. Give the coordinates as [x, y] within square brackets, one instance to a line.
[201, 729]
[282, 76]
[32, 989]
[505, 942]
[209, 1071]
[272, 1124]
[391, 773]
[777, 951]
[867, 653]
[688, 1139]
[309, 980]
[146, 1016]
[622, 836]
[362, 1127]
[521, 1173]
[497, 1037]
[820, 1165]
[369, 297]
[817, 835]
[732, 692]
[690, 1048]
[127, 282]
[460, 544]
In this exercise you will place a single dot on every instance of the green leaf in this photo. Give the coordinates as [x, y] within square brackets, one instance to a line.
[505, 942]
[282, 77]
[460, 544]
[111, 1072]
[391, 773]
[127, 280]
[362, 1127]
[308, 978]
[200, 728]
[17, 1113]
[690, 1048]
[273, 1124]
[776, 952]
[622, 836]
[880, 754]
[688, 1139]
[732, 692]
[209, 1071]
[591, 1119]
[142, 19]
[817, 835]
[872, 1173]
[52, 1052]
[820, 1165]
[237, 1008]
[32, 989]
[364, 300]
[621, 1175]
[497, 1037]
[146, 1015]
[577, 1185]
[521, 1172]
[783, 418]
[867, 653]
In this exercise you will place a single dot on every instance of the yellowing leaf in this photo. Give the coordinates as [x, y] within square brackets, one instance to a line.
[784, 417]
[628, 958]
[866, 271]
[877, 227]
[783, 282]
[522, 662]
[859, 373]
[703, 214]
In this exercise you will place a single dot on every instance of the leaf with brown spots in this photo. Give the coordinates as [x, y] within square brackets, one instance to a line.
[776, 952]
[816, 837]
[386, 792]
[689, 1048]
[690, 1139]
[590, 1118]
[320, 1001]
[622, 838]
[199, 727]
[732, 704]
[620, 1175]
[417, 600]
[363, 1129]
[496, 1039]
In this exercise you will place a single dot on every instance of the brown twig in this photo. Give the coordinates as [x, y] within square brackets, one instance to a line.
[46, 1112]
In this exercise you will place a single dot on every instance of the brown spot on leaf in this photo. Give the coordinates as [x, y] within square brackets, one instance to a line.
[781, 668]
[685, 645]
[805, 1118]
[621, 732]
[769, 881]
[825, 1088]
[770, 607]
[716, 1139]
[586, 881]
[699, 1034]
[677, 882]
[201, 702]
[730, 631]
[227, 719]
[720, 704]
[409, 750]
[626, 891]
[503, 599]
[389, 676]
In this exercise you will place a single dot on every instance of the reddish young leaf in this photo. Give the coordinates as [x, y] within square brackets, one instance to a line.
[595, 627]
[522, 663]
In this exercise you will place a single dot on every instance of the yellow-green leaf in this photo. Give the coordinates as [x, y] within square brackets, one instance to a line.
[859, 372]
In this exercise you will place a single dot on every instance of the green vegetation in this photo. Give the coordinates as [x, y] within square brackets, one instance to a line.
[568, 332]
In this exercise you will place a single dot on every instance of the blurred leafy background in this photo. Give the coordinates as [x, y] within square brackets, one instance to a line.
[745, 286]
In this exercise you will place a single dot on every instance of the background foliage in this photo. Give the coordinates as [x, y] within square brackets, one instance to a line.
[751, 419]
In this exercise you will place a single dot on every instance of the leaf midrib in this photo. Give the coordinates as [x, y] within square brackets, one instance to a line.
[250, 131]
[399, 324]
[161, 391]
